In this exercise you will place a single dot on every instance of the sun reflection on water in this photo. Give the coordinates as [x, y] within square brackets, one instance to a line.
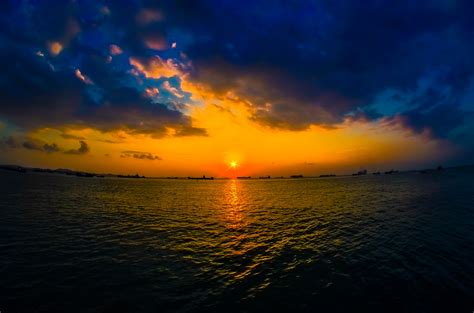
[233, 205]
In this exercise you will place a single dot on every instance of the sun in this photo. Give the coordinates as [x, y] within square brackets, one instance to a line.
[233, 164]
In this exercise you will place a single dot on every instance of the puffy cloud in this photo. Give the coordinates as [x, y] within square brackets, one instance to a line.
[55, 48]
[172, 90]
[294, 63]
[152, 91]
[58, 99]
[70, 136]
[190, 131]
[140, 155]
[49, 148]
[148, 16]
[306, 62]
[156, 43]
[83, 149]
[35, 144]
[82, 77]
[156, 67]
[54, 86]
[115, 50]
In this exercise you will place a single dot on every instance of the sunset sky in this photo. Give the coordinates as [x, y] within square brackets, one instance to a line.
[225, 88]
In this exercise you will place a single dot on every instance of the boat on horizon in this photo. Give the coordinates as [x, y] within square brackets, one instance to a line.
[360, 173]
[244, 177]
[201, 178]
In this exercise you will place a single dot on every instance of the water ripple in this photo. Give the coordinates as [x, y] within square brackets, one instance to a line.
[399, 243]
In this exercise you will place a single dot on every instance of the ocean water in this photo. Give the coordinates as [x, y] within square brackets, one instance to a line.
[390, 243]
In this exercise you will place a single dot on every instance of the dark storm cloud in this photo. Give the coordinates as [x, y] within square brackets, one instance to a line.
[317, 62]
[434, 111]
[296, 63]
[56, 72]
[58, 98]
[140, 155]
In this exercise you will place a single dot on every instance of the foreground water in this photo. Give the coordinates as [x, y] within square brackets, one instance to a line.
[390, 243]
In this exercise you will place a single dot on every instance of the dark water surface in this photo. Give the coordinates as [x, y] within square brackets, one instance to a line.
[392, 243]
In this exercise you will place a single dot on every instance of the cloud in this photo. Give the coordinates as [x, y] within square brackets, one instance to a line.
[60, 100]
[155, 43]
[39, 145]
[191, 131]
[70, 81]
[70, 136]
[34, 144]
[295, 64]
[50, 148]
[83, 149]
[148, 16]
[55, 48]
[172, 90]
[140, 155]
[115, 50]
[156, 67]
[305, 62]
[82, 77]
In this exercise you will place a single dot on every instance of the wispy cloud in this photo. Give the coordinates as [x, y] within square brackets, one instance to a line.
[140, 155]
[35, 144]
[70, 136]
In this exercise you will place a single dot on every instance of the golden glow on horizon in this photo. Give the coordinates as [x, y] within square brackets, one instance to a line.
[235, 139]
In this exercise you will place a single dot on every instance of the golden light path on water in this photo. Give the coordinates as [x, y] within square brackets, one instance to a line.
[234, 208]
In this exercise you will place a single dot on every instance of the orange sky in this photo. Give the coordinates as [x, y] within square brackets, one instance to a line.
[233, 137]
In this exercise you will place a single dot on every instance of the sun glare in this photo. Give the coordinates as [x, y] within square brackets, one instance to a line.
[233, 164]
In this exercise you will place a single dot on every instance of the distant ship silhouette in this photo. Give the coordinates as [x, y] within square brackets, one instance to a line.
[244, 177]
[360, 173]
[296, 176]
[201, 178]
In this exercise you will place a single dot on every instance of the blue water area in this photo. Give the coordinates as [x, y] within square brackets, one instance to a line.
[388, 243]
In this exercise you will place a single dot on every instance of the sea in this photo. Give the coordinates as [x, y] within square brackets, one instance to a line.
[390, 243]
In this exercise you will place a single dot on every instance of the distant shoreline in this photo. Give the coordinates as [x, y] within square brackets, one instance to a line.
[69, 172]
[62, 171]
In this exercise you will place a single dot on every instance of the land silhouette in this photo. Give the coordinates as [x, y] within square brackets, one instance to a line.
[70, 172]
